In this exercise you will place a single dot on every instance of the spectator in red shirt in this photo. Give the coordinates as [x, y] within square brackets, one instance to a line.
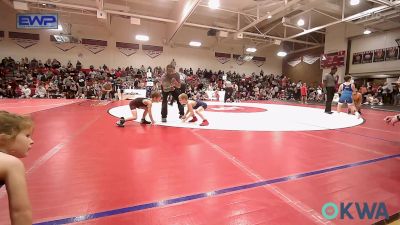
[303, 91]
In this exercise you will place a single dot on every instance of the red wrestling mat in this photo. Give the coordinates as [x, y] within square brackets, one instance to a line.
[26, 106]
[83, 169]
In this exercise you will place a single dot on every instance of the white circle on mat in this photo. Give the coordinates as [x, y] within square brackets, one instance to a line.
[252, 117]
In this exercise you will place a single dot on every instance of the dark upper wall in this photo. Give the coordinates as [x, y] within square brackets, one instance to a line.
[311, 74]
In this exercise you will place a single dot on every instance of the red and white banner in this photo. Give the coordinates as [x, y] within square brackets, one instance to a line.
[309, 59]
[239, 60]
[127, 49]
[24, 40]
[152, 51]
[95, 46]
[332, 59]
[223, 57]
[62, 46]
[259, 61]
[294, 62]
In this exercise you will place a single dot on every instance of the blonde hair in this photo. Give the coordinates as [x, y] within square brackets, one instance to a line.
[11, 125]
[183, 96]
[155, 94]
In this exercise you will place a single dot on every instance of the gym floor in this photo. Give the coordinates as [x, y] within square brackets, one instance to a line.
[83, 169]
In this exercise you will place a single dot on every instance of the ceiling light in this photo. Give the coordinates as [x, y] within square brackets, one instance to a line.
[281, 53]
[251, 49]
[367, 31]
[195, 43]
[269, 15]
[59, 28]
[300, 22]
[140, 37]
[354, 2]
[214, 4]
[44, 4]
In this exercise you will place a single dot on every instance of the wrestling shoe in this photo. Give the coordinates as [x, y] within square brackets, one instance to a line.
[194, 119]
[121, 122]
[204, 123]
[143, 121]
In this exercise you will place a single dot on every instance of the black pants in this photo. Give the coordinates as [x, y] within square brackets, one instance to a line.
[164, 107]
[330, 92]
[183, 88]
[228, 94]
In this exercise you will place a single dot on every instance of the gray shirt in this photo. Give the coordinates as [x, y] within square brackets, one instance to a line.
[228, 84]
[166, 82]
[329, 80]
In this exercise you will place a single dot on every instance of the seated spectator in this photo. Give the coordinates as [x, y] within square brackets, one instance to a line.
[106, 90]
[25, 91]
[40, 92]
[55, 64]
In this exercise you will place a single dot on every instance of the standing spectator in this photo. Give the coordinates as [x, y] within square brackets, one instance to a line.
[78, 65]
[173, 63]
[329, 84]
[228, 91]
[303, 91]
[387, 93]
[170, 85]
[182, 77]
[298, 92]
[81, 85]
[149, 83]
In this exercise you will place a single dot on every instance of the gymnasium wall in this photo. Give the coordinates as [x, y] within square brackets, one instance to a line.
[374, 41]
[311, 74]
[335, 41]
[337, 37]
[120, 30]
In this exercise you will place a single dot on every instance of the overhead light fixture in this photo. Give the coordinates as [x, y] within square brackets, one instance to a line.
[195, 43]
[213, 4]
[59, 28]
[141, 37]
[300, 22]
[354, 2]
[251, 49]
[367, 31]
[20, 5]
[269, 15]
[44, 4]
[281, 53]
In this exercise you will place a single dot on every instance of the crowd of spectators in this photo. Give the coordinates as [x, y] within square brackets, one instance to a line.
[34, 79]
